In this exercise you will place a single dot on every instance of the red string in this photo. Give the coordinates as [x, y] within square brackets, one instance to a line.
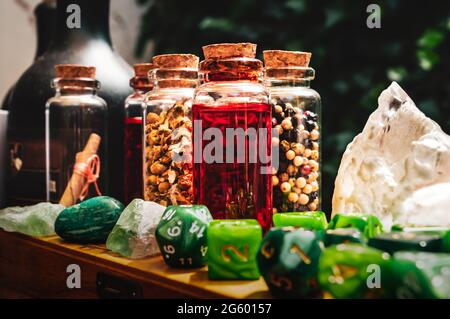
[90, 170]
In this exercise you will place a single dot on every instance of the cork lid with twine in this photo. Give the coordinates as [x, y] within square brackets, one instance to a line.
[176, 70]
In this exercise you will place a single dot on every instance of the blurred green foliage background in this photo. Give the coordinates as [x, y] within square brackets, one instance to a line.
[353, 63]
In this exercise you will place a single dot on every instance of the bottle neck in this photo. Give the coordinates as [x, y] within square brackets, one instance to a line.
[231, 69]
[45, 14]
[274, 82]
[289, 77]
[93, 18]
[80, 86]
[141, 84]
[182, 78]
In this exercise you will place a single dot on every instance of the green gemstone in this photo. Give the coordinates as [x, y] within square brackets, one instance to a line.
[397, 241]
[369, 225]
[133, 236]
[308, 220]
[90, 221]
[288, 259]
[355, 271]
[342, 236]
[232, 248]
[182, 235]
[36, 220]
[422, 275]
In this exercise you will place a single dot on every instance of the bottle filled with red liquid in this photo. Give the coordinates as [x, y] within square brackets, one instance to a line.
[141, 84]
[232, 135]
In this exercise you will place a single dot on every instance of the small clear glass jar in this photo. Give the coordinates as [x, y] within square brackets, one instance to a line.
[142, 84]
[232, 134]
[168, 130]
[296, 115]
[72, 118]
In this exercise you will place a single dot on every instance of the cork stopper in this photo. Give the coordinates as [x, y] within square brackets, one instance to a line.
[72, 71]
[229, 50]
[142, 69]
[176, 61]
[280, 58]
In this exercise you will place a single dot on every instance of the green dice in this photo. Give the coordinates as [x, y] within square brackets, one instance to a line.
[424, 230]
[308, 220]
[288, 259]
[355, 271]
[232, 248]
[342, 236]
[369, 225]
[446, 242]
[422, 275]
[397, 241]
[181, 235]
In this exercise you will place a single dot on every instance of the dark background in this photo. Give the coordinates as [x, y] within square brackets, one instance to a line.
[353, 63]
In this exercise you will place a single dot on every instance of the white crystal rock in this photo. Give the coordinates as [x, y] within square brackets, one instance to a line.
[36, 220]
[133, 236]
[398, 168]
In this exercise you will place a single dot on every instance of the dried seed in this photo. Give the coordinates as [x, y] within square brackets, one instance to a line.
[303, 199]
[307, 189]
[290, 155]
[285, 187]
[157, 168]
[300, 182]
[163, 187]
[293, 197]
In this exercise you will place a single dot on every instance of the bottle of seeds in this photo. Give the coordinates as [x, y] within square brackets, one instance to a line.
[296, 112]
[168, 129]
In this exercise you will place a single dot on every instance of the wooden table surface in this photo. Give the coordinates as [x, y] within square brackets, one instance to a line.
[23, 258]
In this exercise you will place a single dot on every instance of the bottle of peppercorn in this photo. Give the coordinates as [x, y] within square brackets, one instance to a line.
[296, 110]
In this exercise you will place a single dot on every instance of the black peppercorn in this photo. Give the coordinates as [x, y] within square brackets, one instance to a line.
[313, 195]
[310, 125]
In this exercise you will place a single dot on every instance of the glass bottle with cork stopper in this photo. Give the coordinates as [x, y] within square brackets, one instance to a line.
[141, 84]
[168, 130]
[76, 123]
[232, 134]
[296, 111]
[89, 44]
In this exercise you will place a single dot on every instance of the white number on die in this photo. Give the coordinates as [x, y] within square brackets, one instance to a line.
[169, 249]
[174, 231]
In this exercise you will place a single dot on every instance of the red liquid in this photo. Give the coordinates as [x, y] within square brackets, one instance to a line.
[133, 158]
[236, 188]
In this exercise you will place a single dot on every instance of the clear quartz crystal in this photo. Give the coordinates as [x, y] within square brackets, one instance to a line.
[134, 234]
[36, 220]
